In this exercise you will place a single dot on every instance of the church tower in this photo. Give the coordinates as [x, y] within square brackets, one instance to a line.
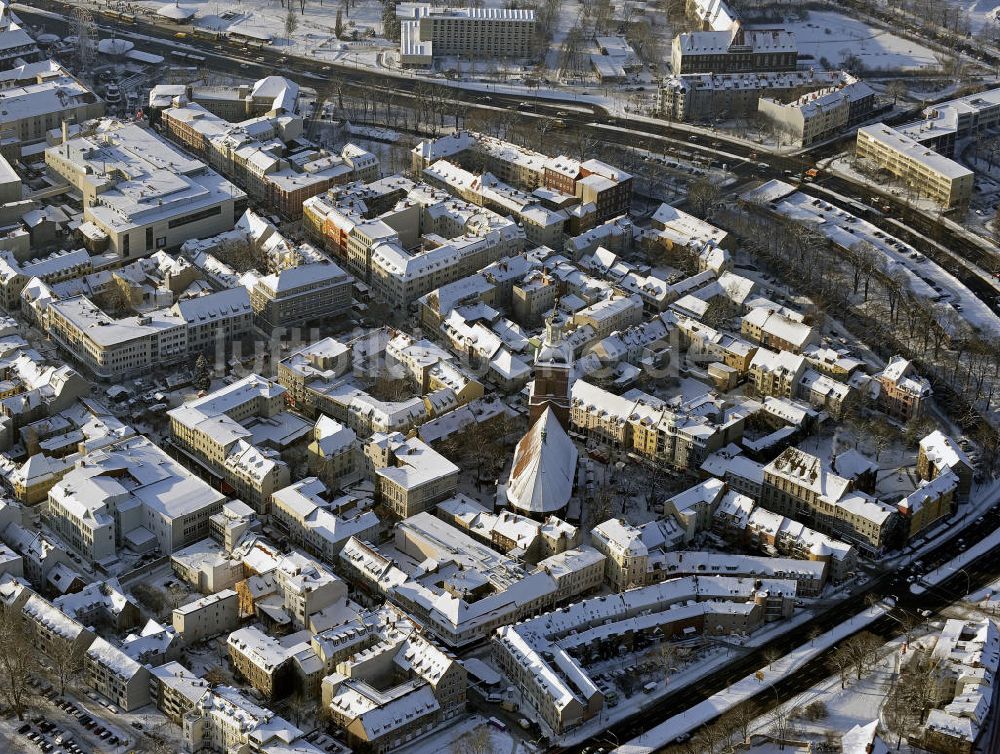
[553, 366]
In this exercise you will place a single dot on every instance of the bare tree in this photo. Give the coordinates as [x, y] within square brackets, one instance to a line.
[780, 726]
[743, 716]
[896, 88]
[772, 654]
[17, 660]
[840, 661]
[702, 194]
[477, 741]
[66, 663]
[862, 649]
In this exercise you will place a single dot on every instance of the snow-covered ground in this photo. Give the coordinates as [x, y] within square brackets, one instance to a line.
[834, 36]
[747, 687]
[448, 739]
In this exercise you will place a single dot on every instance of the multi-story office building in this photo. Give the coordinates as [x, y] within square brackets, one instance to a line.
[234, 432]
[116, 349]
[695, 97]
[41, 99]
[410, 476]
[307, 293]
[921, 168]
[819, 115]
[426, 32]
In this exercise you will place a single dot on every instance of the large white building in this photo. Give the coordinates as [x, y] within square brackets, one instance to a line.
[141, 193]
[130, 493]
[115, 349]
[427, 32]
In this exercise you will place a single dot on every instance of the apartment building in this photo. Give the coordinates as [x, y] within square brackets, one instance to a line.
[140, 193]
[410, 476]
[234, 432]
[542, 226]
[776, 374]
[549, 657]
[611, 314]
[797, 484]
[334, 453]
[510, 532]
[116, 349]
[312, 522]
[153, 645]
[275, 666]
[207, 616]
[904, 393]
[424, 239]
[777, 331]
[634, 555]
[322, 363]
[392, 685]
[427, 31]
[225, 719]
[130, 493]
[734, 50]
[473, 589]
[256, 152]
[924, 170]
[694, 97]
[116, 676]
[937, 455]
[52, 632]
[963, 664]
[929, 503]
[175, 690]
[820, 115]
[680, 433]
[591, 191]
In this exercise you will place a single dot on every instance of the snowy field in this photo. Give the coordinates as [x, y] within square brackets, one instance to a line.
[834, 37]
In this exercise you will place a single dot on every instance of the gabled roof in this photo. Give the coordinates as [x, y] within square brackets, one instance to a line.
[541, 479]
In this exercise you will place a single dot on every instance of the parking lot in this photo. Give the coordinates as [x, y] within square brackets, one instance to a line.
[67, 726]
